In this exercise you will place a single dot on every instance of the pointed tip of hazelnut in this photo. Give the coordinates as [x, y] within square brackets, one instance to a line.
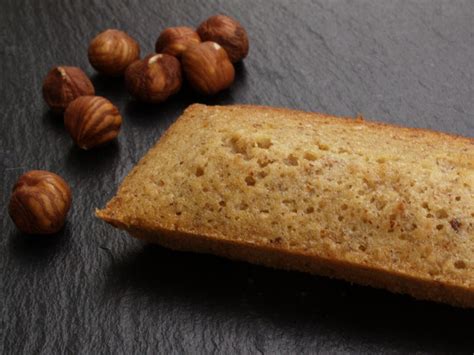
[155, 58]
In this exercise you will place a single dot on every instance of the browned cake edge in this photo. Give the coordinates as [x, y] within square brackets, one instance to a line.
[281, 258]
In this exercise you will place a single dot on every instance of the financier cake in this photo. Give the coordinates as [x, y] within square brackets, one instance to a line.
[370, 203]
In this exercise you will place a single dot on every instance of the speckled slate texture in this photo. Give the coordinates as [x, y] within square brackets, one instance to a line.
[94, 290]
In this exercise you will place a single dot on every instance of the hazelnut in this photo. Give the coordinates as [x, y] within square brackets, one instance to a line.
[40, 202]
[92, 121]
[229, 33]
[154, 78]
[112, 51]
[175, 40]
[64, 84]
[208, 68]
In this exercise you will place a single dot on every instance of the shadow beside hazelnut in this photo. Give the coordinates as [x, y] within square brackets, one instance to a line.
[92, 121]
[208, 68]
[175, 40]
[63, 84]
[154, 78]
[112, 51]
[40, 202]
[229, 33]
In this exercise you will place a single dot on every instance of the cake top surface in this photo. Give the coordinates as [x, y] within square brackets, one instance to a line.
[394, 198]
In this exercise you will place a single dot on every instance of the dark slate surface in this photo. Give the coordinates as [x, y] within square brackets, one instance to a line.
[94, 290]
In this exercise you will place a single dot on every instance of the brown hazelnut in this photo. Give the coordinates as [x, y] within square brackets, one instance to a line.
[92, 121]
[64, 84]
[208, 68]
[40, 202]
[229, 33]
[154, 78]
[112, 51]
[175, 40]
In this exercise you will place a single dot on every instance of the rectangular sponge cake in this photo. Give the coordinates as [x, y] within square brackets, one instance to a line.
[370, 203]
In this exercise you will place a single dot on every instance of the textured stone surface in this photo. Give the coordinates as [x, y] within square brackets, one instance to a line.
[94, 290]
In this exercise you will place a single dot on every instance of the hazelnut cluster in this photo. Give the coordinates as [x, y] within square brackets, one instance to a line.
[207, 54]
[40, 199]
[91, 120]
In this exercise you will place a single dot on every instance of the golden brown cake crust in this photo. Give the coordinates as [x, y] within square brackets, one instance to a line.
[421, 202]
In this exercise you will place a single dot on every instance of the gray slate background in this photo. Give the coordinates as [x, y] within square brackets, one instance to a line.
[94, 290]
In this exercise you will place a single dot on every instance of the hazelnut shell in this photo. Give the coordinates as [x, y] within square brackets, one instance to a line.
[175, 40]
[63, 84]
[112, 51]
[208, 68]
[92, 121]
[40, 202]
[154, 78]
[229, 33]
